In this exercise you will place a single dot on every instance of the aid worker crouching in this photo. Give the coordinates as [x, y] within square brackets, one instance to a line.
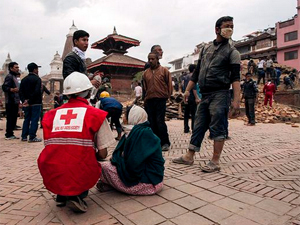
[68, 162]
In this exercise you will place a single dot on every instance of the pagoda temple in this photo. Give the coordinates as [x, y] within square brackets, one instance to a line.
[120, 67]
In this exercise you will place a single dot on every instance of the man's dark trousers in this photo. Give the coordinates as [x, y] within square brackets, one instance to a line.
[261, 75]
[189, 109]
[156, 110]
[11, 117]
[31, 120]
[250, 111]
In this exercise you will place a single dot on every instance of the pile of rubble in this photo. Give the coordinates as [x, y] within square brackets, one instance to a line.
[175, 106]
[277, 114]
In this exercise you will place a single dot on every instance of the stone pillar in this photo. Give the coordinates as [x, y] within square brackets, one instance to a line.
[61, 86]
[51, 86]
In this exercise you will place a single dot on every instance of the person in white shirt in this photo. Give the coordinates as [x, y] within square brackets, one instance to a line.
[138, 92]
[269, 63]
[261, 71]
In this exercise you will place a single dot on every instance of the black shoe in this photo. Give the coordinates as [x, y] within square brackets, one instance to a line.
[18, 128]
[13, 137]
[186, 131]
[77, 204]
[61, 201]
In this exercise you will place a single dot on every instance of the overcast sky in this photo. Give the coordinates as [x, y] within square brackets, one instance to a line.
[33, 30]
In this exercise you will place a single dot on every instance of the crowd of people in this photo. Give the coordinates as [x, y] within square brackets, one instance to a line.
[78, 133]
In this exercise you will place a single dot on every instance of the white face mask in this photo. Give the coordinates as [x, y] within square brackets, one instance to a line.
[226, 32]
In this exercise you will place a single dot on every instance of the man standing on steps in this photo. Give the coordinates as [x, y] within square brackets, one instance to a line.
[218, 67]
[157, 86]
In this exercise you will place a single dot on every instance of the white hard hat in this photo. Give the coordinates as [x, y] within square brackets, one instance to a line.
[75, 83]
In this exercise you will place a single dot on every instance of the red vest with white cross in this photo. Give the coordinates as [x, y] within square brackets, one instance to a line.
[68, 163]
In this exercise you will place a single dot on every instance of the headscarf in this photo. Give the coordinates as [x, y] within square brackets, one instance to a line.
[136, 115]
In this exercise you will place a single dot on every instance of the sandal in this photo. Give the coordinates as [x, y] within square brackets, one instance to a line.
[77, 204]
[102, 187]
[210, 167]
[35, 140]
[180, 160]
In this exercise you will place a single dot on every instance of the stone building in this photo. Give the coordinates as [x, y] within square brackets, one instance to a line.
[288, 41]
[259, 44]
[116, 64]
[54, 80]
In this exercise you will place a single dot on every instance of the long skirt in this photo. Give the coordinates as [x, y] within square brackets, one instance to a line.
[110, 176]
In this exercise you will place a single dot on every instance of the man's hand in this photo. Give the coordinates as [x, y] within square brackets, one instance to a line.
[14, 90]
[234, 109]
[95, 83]
[25, 103]
[198, 100]
[186, 96]
[235, 104]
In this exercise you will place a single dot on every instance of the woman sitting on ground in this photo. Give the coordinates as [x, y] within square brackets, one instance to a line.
[137, 165]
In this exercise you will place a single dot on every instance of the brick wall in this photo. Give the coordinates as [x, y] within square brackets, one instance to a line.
[121, 84]
[288, 97]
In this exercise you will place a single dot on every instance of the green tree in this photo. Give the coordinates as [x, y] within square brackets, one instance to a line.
[138, 76]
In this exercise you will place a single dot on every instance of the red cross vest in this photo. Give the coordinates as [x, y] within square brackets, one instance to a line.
[68, 163]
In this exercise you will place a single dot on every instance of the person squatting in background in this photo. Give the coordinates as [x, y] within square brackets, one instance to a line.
[114, 109]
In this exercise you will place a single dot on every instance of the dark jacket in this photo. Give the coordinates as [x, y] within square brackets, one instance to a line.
[72, 63]
[45, 89]
[11, 82]
[31, 89]
[250, 89]
[138, 157]
[110, 103]
[215, 71]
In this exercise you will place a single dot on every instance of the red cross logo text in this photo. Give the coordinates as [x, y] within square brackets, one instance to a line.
[68, 117]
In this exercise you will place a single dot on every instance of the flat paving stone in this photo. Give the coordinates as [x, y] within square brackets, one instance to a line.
[128, 207]
[231, 205]
[151, 200]
[258, 215]
[146, 217]
[169, 210]
[274, 206]
[190, 219]
[238, 220]
[189, 188]
[246, 198]
[171, 194]
[208, 196]
[190, 202]
[214, 213]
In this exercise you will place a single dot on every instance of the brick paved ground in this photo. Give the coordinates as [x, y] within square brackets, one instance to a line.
[259, 184]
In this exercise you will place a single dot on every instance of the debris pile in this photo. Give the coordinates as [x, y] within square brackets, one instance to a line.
[277, 114]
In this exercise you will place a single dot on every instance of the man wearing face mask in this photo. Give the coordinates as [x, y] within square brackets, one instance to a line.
[218, 67]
